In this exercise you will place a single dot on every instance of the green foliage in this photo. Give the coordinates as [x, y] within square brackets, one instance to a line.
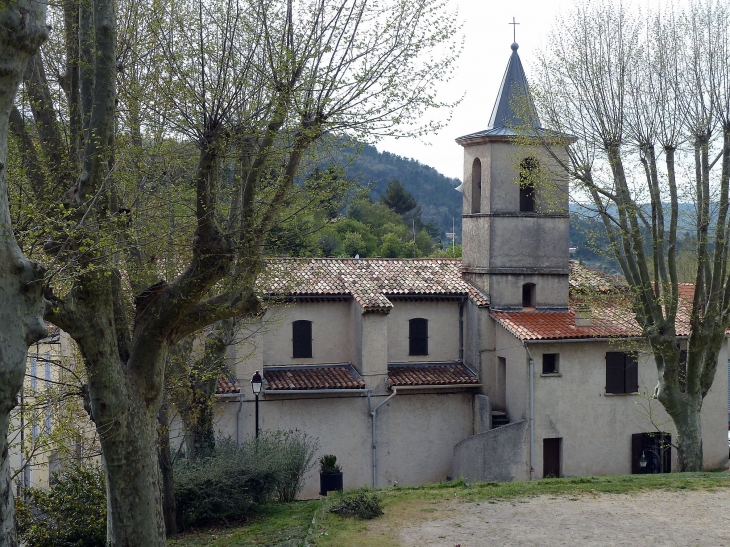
[71, 513]
[328, 464]
[231, 482]
[398, 198]
[363, 504]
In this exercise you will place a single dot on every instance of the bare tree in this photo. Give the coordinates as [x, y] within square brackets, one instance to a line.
[646, 101]
[105, 131]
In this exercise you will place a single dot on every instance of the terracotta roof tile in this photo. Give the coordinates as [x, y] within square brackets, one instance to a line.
[368, 280]
[437, 374]
[611, 316]
[226, 384]
[312, 377]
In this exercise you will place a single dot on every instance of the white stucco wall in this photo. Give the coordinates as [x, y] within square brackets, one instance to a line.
[596, 428]
[443, 330]
[416, 433]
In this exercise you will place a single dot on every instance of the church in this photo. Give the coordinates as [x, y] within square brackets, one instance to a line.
[513, 363]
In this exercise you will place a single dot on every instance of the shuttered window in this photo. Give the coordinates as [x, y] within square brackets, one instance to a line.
[418, 336]
[622, 372]
[302, 339]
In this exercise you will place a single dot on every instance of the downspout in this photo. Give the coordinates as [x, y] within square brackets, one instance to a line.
[373, 412]
[461, 330]
[532, 411]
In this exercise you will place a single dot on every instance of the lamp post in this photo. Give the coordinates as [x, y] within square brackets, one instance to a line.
[256, 382]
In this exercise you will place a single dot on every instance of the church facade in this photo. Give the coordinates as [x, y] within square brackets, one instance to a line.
[509, 364]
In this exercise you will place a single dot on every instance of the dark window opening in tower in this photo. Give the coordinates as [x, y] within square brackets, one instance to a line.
[528, 174]
[528, 295]
[476, 186]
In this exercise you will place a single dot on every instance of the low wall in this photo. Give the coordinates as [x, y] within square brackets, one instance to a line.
[500, 454]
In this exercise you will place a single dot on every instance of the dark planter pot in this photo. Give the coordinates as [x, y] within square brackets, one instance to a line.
[329, 482]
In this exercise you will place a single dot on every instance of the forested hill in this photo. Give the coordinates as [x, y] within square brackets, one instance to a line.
[435, 193]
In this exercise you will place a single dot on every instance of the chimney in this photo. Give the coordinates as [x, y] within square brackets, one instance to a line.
[583, 315]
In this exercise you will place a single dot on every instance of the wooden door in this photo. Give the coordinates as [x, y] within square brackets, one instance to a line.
[551, 457]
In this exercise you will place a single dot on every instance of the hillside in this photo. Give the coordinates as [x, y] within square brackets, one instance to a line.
[435, 193]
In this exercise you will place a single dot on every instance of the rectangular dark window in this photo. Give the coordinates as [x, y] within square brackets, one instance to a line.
[418, 336]
[301, 339]
[528, 295]
[527, 198]
[622, 372]
[550, 363]
[651, 453]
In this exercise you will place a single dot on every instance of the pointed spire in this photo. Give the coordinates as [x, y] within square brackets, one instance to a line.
[507, 112]
[510, 108]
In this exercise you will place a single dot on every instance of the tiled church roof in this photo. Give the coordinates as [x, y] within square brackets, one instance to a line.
[226, 384]
[312, 377]
[438, 374]
[605, 299]
[370, 281]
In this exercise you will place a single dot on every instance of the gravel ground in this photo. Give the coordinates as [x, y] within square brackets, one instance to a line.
[656, 518]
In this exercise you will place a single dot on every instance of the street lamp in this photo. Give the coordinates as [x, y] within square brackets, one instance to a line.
[256, 382]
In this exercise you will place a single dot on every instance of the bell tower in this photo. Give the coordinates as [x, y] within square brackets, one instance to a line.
[515, 219]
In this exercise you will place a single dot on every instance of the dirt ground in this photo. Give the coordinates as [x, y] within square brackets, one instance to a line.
[656, 518]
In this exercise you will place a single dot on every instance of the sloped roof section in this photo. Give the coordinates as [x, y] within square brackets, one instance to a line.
[605, 300]
[298, 378]
[370, 281]
[226, 384]
[431, 374]
[514, 105]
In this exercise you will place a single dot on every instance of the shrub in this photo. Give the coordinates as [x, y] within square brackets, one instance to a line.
[229, 483]
[71, 513]
[363, 504]
[328, 464]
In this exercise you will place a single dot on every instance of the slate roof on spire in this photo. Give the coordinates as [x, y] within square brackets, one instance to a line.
[511, 94]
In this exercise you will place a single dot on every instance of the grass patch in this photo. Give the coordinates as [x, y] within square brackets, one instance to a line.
[273, 525]
[287, 525]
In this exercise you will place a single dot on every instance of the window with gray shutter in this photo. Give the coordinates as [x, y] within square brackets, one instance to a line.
[622, 372]
[302, 339]
[418, 336]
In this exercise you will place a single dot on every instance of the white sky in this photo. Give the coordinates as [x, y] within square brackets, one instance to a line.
[488, 36]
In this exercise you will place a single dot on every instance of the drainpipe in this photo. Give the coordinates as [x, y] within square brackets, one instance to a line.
[532, 411]
[461, 330]
[373, 412]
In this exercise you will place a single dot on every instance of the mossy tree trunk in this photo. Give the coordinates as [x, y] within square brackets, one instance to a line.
[22, 30]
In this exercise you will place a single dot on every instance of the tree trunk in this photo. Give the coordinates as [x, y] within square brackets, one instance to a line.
[22, 30]
[689, 436]
[129, 443]
[169, 509]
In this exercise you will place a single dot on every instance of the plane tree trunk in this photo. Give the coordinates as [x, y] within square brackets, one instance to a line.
[22, 30]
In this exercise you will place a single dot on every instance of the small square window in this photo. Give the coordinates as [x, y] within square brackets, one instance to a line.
[550, 363]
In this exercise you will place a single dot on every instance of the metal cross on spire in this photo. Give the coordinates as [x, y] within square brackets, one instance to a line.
[514, 29]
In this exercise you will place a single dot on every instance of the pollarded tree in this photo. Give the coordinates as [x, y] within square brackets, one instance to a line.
[647, 100]
[22, 31]
[142, 252]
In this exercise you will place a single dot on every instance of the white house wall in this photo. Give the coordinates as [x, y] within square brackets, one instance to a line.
[331, 333]
[596, 427]
[416, 433]
[443, 330]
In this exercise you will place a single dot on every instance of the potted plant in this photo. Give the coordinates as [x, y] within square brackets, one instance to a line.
[330, 475]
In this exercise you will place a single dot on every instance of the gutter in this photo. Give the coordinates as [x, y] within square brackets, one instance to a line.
[532, 411]
[439, 386]
[359, 392]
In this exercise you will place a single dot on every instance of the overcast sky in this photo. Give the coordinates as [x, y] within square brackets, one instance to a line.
[488, 36]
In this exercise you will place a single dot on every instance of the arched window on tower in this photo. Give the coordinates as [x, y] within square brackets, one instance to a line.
[528, 174]
[528, 295]
[476, 186]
